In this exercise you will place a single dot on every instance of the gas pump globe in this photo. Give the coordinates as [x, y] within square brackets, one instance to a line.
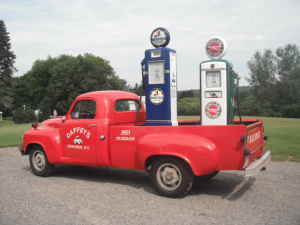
[218, 84]
[160, 80]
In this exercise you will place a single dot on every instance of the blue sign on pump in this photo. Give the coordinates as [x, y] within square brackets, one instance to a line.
[160, 80]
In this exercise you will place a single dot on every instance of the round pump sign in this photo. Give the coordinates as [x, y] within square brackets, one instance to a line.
[160, 37]
[213, 110]
[157, 96]
[216, 47]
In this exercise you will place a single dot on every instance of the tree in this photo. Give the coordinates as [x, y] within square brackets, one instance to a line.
[288, 60]
[263, 81]
[188, 94]
[138, 89]
[275, 83]
[54, 83]
[7, 60]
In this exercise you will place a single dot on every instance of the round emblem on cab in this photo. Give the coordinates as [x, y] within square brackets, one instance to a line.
[216, 47]
[160, 37]
[157, 96]
[213, 110]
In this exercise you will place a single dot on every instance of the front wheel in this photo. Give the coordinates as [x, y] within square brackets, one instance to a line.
[39, 163]
[171, 177]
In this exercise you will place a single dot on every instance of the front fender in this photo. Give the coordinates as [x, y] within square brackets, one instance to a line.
[48, 139]
[198, 152]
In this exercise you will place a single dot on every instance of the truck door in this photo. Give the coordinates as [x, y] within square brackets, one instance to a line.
[79, 134]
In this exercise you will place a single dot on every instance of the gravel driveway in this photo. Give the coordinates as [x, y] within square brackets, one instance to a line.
[80, 195]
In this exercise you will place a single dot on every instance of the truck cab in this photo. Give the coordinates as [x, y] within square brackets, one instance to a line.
[108, 129]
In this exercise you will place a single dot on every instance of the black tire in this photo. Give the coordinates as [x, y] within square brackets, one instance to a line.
[39, 164]
[205, 177]
[171, 177]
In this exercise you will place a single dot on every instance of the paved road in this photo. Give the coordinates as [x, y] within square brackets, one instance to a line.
[86, 196]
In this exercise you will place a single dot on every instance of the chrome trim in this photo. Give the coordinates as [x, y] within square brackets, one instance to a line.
[258, 165]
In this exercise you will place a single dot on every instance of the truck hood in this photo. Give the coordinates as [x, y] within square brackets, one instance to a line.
[54, 122]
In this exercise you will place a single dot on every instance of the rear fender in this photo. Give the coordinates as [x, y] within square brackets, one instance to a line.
[198, 152]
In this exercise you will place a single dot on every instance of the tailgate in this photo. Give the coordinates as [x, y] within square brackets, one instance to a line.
[255, 141]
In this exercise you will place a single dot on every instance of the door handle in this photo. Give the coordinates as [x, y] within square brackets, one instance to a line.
[92, 125]
[102, 137]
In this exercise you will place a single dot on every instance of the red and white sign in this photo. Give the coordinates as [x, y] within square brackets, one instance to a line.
[216, 47]
[213, 110]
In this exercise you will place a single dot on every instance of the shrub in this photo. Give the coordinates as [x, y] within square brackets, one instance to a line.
[188, 106]
[21, 115]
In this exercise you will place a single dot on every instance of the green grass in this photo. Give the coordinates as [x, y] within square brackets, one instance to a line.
[283, 137]
[10, 133]
[283, 133]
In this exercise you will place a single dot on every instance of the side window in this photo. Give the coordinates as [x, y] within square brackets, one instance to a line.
[127, 105]
[85, 109]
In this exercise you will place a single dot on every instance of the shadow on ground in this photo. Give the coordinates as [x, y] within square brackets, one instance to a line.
[229, 186]
[226, 185]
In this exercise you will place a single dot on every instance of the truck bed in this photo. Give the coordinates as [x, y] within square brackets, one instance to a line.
[232, 146]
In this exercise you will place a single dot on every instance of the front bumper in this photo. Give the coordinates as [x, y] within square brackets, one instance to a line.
[258, 165]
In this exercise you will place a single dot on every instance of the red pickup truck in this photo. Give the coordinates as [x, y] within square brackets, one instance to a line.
[107, 129]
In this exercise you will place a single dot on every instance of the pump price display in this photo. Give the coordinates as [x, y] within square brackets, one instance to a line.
[213, 79]
[156, 73]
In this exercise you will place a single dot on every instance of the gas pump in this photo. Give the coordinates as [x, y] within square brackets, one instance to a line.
[159, 73]
[218, 84]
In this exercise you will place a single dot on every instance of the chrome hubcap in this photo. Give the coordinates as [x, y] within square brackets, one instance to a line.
[39, 160]
[169, 176]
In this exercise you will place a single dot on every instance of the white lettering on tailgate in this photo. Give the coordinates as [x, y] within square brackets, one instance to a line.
[253, 137]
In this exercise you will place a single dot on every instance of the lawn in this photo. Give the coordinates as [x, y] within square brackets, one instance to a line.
[10, 133]
[283, 137]
[283, 133]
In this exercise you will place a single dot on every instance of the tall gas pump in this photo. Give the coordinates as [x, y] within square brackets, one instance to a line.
[159, 73]
[218, 84]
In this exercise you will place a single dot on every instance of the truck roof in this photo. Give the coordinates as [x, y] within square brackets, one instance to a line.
[112, 94]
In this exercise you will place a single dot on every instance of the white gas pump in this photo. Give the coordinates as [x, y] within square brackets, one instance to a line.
[217, 84]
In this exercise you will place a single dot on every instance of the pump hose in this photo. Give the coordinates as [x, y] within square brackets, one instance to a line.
[238, 99]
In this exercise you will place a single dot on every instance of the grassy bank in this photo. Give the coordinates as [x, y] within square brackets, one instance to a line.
[10, 133]
[283, 137]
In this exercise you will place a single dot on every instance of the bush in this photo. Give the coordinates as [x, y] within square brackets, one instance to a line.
[44, 115]
[291, 111]
[189, 106]
[23, 116]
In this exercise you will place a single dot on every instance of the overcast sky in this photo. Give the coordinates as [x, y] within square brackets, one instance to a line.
[119, 30]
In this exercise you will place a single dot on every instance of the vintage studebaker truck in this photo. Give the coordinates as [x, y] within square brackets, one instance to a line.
[108, 129]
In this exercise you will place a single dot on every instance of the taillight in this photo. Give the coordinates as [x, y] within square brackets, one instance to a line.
[243, 140]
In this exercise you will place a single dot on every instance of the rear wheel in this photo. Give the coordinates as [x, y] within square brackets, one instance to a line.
[39, 163]
[171, 177]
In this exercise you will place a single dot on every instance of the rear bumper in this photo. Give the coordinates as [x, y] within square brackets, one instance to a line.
[258, 165]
